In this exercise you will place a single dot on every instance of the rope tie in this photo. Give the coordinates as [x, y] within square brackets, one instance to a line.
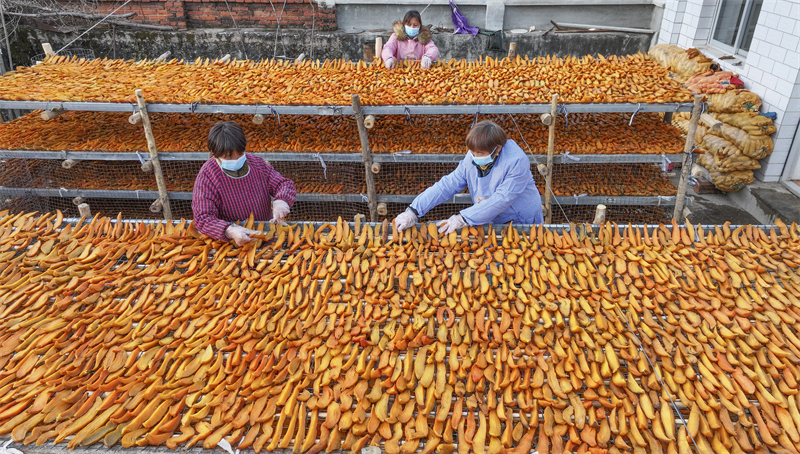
[566, 156]
[364, 198]
[397, 153]
[664, 198]
[562, 109]
[193, 106]
[322, 163]
[141, 157]
[665, 162]
[275, 112]
[638, 107]
[62, 189]
[578, 196]
[407, 111]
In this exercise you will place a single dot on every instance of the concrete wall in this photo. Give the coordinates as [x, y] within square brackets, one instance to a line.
[771, 68]
[257, 44]
[496, 14]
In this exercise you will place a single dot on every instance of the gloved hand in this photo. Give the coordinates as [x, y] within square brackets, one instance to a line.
[389, 63]
[280, 210]
[449, 226]
[239, 234]
[405, 220]
[426, 62]
[480, 199]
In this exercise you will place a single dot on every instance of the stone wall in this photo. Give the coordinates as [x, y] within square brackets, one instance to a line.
[258, 44]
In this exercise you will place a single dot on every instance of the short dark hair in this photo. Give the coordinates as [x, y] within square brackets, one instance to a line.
[485, 136]
[413, 14]
[226, 137]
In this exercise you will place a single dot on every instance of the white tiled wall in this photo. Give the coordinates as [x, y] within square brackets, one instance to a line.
[771, 70]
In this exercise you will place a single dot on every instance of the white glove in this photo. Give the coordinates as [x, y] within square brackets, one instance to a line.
[280, 210]
[239, 234]
[426, 62]
[449, 226]
[405, 220]
[480, 199]
[389, 63]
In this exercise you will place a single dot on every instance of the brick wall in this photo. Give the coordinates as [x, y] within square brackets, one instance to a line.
[771, 68]
[183, 14]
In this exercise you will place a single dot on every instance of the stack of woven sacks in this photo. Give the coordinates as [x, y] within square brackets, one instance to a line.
[730, 150]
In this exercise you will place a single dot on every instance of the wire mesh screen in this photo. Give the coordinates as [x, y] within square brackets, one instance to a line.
[634, 180]
[443, 211]
[130, 209]
[621, 214]
[324, 177]
[408, 178]
[50, 174]
[326, 211]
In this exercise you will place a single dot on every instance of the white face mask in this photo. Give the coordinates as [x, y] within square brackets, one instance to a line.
[233, 164]
[483, 160]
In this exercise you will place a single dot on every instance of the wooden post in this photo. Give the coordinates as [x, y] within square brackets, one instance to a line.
[366, 155]
[164, 56]
[48, 49]
[599, 215]
[369, 121]
[52, 113]
[69, 163]
[135, 118]
[84, 210]
[551, 145]
[369, 52]
[687, 158]
[512, 50]
[712, 123]
[151, 146]
[378, 46]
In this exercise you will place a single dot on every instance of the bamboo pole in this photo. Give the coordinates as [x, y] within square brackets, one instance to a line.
[687, 158]
[151, 146]
[366, 155]
[551, 145]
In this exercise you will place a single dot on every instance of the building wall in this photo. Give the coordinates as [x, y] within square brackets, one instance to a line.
[183, 14]
[771, 68]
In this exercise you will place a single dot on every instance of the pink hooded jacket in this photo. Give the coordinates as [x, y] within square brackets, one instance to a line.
[401, 47]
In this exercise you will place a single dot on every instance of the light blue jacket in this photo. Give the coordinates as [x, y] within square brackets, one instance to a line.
[509, 186]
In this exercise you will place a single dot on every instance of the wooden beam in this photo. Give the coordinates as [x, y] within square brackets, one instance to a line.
[48, 49]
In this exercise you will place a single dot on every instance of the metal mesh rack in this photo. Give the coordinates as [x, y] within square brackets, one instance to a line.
[327, 169]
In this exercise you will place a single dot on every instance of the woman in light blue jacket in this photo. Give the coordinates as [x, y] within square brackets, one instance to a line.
[498, 175]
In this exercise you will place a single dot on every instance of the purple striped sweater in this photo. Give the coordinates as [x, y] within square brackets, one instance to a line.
[219, 199]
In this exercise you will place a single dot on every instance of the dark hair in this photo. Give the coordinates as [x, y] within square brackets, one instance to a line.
[413, 14]
[226, 137]
[485, 136]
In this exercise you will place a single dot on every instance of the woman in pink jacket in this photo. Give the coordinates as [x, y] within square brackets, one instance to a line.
[410, 42]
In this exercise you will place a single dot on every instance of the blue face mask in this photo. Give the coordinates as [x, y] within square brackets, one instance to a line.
[483, 160]
[233, 164]
[411, 31]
